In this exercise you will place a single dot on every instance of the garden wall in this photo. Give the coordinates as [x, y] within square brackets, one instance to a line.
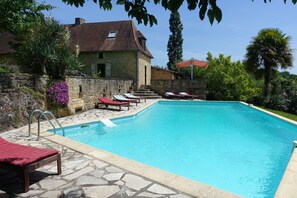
[84, 92]
[196, 87]
[21, 93]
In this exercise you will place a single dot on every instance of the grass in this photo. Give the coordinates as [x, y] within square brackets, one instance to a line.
[281, 113]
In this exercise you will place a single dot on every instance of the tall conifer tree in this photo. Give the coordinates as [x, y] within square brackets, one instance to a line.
[175, 42]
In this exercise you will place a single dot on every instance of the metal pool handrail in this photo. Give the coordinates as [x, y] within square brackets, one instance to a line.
[44, 114]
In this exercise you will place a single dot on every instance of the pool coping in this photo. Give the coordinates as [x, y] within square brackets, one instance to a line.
[185, 185]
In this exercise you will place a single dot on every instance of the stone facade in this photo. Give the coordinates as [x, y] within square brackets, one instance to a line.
[118, 65]
[84, 92]
[162, 74]
[144, 74]
[196, 87]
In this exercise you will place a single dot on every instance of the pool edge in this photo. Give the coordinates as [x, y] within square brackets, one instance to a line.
[287, 186]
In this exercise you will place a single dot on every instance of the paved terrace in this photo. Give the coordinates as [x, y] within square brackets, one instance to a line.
[84, 174]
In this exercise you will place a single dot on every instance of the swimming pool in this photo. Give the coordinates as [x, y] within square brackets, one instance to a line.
[227, 145]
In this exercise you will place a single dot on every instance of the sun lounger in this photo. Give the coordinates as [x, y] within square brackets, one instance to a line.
[186, 95]
[25, 159]
[172, 95]
[107, 102]
[123, 99]
[131, 96]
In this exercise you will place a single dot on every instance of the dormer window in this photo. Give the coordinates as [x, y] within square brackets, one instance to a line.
[112, 34]
[142, 42]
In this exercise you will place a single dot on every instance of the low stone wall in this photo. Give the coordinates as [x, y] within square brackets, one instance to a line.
[196, 87]
[15, 103]
[84, 92]
[15, 80]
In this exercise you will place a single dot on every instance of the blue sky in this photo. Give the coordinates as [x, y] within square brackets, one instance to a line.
[241, 21]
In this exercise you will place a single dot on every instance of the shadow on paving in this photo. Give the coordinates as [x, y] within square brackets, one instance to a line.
[11, 183]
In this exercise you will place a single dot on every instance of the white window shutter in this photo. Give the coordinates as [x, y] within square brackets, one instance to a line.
[93, 68]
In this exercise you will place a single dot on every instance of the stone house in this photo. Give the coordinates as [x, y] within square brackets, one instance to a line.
[112, 50]
[159, 73]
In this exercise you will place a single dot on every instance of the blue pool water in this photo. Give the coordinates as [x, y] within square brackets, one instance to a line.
[223, 144]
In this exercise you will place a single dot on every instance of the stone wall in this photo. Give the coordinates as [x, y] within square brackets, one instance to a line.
[15, 80]
[15, 102]
[84, 92]
[196, 87]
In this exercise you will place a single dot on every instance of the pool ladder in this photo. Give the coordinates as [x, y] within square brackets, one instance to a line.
[44, 114]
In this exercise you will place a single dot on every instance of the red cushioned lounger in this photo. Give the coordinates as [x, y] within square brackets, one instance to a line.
[25, 159]
[106, 102]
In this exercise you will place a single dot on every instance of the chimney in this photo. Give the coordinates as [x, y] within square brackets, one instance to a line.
[79, 21]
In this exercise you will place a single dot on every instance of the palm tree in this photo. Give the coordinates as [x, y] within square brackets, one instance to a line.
[268, 51]
[45, 49]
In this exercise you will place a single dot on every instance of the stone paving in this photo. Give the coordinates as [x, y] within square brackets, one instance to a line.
[82, 175]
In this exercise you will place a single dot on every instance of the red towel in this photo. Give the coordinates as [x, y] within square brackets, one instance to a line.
[20, 155]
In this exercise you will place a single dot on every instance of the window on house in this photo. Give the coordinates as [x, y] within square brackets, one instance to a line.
[100, 55]
[142, 42]
[112, 34]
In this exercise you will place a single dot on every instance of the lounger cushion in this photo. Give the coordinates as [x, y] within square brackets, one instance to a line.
[110, 102]
[20, 155]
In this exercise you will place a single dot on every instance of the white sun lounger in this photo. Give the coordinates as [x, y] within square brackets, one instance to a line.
[131, 96]
[123, 99]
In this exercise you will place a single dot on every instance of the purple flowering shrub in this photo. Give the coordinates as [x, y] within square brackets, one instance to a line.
[58, 93]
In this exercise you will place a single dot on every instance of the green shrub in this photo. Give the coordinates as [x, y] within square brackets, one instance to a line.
[35, 94]
[227, 80]
[5, 69]
[277, 102]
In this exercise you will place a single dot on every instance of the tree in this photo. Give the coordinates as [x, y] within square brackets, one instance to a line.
[16, 16]
[266, 52]
[45, 50]
[227, 80]
[283, 93]
[175, 42]
[137, 8]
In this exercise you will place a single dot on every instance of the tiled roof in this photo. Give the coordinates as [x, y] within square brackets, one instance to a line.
[94, 37]
[163, 69]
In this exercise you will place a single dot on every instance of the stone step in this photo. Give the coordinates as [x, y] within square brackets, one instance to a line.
[143, 89]
[145, 92]
[150, 96]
